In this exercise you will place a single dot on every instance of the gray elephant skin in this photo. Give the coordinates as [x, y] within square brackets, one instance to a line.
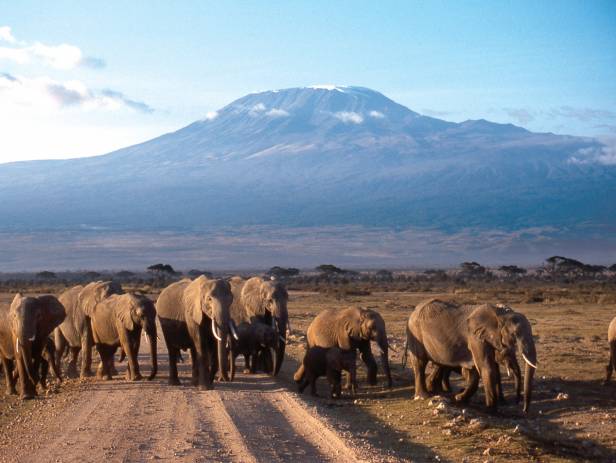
[75, 332]
[253, 339]
[469, 338]
[350, 329]
[328, 362]
[265, 301]
[24, 333]
[611, 339]
[118, 321]
[195, 315]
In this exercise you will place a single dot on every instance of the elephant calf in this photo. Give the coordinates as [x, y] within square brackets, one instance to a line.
[329, 362]
[118, 321]
[253, 339]
[611, 338]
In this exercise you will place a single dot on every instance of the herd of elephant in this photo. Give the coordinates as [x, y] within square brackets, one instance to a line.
[217, 320]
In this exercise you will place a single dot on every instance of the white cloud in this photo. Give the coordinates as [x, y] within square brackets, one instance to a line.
[257, 109]
[210, 116]
[376, 114]
[44, 93]
[63, 56]
[605, 155]
[349, 117]
[6, 35]
[275, 112]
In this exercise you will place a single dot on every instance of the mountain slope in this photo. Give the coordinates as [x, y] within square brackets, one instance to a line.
[321, 156]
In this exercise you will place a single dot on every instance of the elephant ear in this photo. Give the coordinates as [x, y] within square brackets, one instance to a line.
[193, 298]
[253, 297]
[52, 313]
[484, 325]
[124, 308]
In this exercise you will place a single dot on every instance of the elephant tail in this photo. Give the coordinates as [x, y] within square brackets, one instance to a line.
[406, 347]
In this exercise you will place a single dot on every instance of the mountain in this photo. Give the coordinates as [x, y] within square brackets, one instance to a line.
[322, 156]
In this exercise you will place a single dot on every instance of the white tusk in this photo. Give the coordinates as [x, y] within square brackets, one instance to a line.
[233, 332]
[528, 361]
[289, 326]
[508, 372]
[17, 345]
[214, 331]
[32, 338]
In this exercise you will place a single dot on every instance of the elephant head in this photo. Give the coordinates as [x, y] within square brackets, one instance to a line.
[372, 328]
[137, 310]
[504, 330]
[95, 292]
[267, 300]
[516, 332]
[32, 321]
[212, 299]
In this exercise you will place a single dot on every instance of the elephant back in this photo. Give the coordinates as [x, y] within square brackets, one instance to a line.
[103, 319]
[95, 292]
[170, 302]
[332, 328]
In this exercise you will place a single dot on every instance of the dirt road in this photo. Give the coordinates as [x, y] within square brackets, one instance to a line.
[253, 419]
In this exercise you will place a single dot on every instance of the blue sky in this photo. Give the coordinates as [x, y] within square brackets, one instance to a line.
[83, 78]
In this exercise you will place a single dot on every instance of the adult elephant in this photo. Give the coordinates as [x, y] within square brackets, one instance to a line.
[264, 301]
[469, 337]
[611, 339]
[118, 321]
[194, 315]
[75, 331]
[350, 328]
[24, 336]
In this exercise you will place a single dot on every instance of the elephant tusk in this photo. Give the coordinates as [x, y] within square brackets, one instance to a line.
[214, 331]
[32, 338]
[17, 346]
[508, 372]
[289, 326]
[233, 332]
[528, 361]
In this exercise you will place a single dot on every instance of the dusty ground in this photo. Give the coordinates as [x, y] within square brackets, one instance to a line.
[256, 418]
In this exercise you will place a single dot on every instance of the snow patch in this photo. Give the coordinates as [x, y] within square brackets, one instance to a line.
[210, 116]
[349, 117]
[276, 112]
[376, 114]
[329, 87]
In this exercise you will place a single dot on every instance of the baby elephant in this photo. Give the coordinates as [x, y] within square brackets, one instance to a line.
[329, 362]
[254, 339]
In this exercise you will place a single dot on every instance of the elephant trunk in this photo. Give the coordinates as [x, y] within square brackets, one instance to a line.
[220, 329]
[152, 337]
[281, 341]
[529, 355]
[384, 345]
[24, 349]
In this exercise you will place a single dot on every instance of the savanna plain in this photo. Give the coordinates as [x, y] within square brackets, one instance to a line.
[260, 418]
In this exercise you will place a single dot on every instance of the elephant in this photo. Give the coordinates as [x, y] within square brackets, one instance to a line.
[469, 338]
[195, 315]
[24, 333]
[351, 328]
[611, 338]
[253, 338]
[118, 321]
[264, 301]
[75, 332]
[329, 362]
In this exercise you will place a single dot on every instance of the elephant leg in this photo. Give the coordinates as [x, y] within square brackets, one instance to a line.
[173, 366]
[445, 384]
[27, 389]
[44, 366]
[254, 359]
[7, 365]
[419, 369]
[472, 383]
[71, 370]
[301, 385]
[246, 364]
[514, 366]
[60, 344]
[313, 386]
[195, 367]
[86, 350]
[500, 393]
[435, 379]
[611, 366]
[368, 358]
[129, 346]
